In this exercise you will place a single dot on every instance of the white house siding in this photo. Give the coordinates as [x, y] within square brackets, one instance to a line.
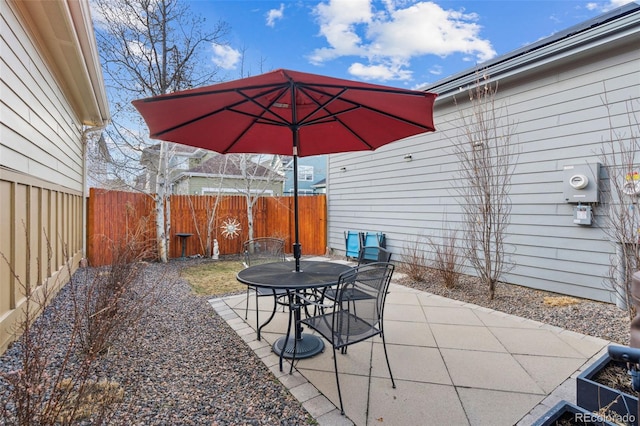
[556, 105]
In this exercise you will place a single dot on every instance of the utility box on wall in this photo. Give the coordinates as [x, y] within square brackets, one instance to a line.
[580, 183]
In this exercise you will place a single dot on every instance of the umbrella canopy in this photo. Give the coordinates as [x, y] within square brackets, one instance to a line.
[288, 113]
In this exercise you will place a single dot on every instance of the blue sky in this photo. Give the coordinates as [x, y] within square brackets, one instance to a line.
[403, 43]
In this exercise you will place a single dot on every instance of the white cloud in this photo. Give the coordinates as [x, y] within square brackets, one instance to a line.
[380, 72]
[275, 14]
[606, 6]
[554, 18]
[339, 23]
[112, 14]
[138, 49]
[420, 86]
[225, 57]
[391, 37]
[436, 70]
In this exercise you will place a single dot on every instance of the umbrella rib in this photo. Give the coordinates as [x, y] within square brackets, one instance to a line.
[320, 106]
[358, 105]
[260, 118]
[331, 116]
[228, 108]
[335, 116]
[267, 108]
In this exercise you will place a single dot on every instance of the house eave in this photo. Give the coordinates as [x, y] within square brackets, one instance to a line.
[64, 31]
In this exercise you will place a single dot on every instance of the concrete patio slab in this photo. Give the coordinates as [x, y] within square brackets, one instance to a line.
[453, 363]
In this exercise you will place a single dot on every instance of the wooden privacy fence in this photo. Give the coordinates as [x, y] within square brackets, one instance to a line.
[115, 217]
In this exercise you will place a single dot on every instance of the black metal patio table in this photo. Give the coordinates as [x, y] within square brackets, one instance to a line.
[282, 275]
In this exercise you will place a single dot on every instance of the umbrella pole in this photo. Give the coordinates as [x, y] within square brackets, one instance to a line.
[297, 251]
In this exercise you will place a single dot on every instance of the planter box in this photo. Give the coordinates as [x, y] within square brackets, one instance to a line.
[570, 413]
[593, 396]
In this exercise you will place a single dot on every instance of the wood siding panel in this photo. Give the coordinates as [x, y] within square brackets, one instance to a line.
[34, 216]
[20, 252]
[7, 284]
[559, 119]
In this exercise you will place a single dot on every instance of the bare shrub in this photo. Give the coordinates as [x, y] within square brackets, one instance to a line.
[113, 299]
[206, 227]
[60, 344]
[619, 200]
[413, 260]
[31, 390]
[447, 257]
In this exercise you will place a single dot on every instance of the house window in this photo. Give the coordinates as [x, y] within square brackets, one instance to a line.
[305, 173]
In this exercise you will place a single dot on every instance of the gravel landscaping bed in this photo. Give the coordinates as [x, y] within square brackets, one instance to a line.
[188, 367]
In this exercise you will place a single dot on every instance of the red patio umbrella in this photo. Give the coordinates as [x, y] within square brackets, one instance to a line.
[288, 113]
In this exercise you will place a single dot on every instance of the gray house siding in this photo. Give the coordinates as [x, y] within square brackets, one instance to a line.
[554, 96]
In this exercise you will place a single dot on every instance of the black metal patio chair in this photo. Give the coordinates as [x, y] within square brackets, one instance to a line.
[369, 254]
[258, 251]
[354, 320]
[364, 256]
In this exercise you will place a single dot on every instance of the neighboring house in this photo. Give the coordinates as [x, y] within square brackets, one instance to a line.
[53, 99]
[180, 157]
[226, 174]
[553, 90]
[320, 187]
[311, 170]
[201, 172]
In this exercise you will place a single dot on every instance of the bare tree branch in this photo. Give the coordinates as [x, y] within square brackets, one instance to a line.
[619, 198]
[148, 48]
[487, 159]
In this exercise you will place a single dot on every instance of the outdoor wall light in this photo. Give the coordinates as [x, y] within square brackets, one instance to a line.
[343, 169]
[408, 157]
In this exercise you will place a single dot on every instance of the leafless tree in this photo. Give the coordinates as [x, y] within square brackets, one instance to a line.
[619, 197]
[487, 158]
[256, 179]
[258, 171]
[205, 231]
[148, 48]
[257, 174]
[249, 175]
